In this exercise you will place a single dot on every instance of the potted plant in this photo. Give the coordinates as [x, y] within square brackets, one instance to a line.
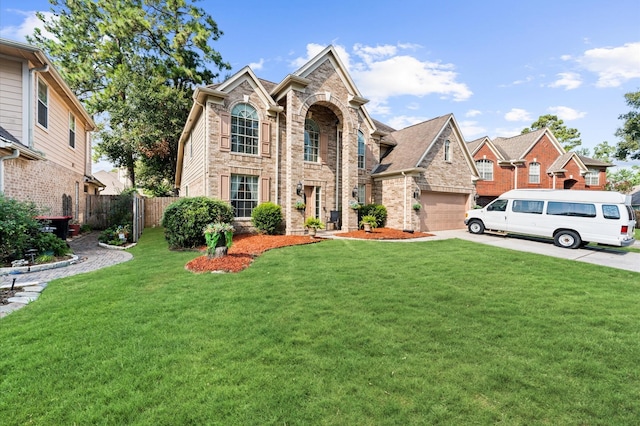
[300, 205]
[313, 224]
[355, 205]
[368, 223]
[74, 228]
[417, 206]
[219, 237]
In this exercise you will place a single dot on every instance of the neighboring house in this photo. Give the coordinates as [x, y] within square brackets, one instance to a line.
[532, 160]
[45, 144]
[114, 182]
[310, 139]
[635, 199]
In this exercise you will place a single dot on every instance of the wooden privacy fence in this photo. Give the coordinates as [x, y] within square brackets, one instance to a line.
[102, 209]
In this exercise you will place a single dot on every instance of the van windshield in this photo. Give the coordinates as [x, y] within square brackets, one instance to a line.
[498, 206]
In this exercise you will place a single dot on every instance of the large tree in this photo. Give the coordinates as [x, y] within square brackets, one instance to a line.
[134, 64]
[629, 146]
[568, 137]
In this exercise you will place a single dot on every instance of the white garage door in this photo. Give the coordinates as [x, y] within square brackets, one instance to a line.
[442, 210]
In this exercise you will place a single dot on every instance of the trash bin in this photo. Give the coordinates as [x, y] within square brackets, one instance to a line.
[60, 223]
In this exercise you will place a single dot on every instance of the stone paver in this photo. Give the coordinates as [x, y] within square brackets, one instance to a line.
[90, 255]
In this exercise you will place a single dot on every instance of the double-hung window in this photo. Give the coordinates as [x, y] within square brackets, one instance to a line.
[361, 150]
[447, 151]
[534, 173]
[244, 194]
[592, 177]
[43, 104]
[485, 168]
[72, 130]
[311, 140]
[244, 129]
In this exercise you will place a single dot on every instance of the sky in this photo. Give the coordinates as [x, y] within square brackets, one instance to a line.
[496, 65]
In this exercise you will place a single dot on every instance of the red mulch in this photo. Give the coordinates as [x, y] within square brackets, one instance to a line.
[248, 246]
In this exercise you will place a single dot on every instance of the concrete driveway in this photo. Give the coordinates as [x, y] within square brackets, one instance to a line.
[598, 255]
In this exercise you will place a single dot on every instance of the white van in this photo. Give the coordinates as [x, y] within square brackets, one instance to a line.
[572, 218]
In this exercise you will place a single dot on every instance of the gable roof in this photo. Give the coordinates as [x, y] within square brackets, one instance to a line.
[37, 59]
[415, 142]
[517, 147]
[475, 145]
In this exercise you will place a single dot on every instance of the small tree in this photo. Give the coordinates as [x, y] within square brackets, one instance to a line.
[19, 228]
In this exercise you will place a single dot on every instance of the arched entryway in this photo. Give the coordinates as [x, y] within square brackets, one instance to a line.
[569, 183]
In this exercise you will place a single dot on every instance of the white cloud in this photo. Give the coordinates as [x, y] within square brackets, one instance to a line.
[473, 113]
[517, 114]
[402, 121]
[505, 132]
[313, 49]
[256, 66]
[26, 28]
[613, 65]
[566, 113]
[472, 130]
[413, 106]
[568, 80]
[382, 72]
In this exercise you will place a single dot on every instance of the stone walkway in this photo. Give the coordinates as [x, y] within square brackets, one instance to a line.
[90, 257]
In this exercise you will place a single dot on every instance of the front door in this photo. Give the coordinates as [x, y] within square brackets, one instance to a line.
[310, 201]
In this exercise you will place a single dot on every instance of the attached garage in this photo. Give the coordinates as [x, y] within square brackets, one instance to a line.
[442, 210]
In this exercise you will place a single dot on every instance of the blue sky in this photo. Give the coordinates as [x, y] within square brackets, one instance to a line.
[496, 65]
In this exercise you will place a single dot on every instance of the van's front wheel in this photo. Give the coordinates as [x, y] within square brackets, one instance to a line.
[476, 227]
[567, 239]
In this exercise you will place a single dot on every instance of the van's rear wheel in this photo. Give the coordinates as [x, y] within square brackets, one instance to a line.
[476, 227]
[567, 239]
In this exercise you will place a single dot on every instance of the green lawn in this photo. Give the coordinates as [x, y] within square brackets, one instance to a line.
[342, 332]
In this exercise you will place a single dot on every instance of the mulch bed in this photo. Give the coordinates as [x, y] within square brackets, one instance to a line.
[248, 246]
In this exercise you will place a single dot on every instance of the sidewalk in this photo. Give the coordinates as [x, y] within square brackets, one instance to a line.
[90, 258]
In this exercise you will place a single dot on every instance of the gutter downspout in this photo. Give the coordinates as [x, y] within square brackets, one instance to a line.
[515, 175]
[404, 214]
[11, 156]
[338, 151]
[277, 158]
[30, 97]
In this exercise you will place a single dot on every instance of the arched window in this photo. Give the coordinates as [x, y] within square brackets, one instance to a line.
[534, 173]
[447, 150]
[311, 140]
[485, 168]
[361, 151]
[244, 129]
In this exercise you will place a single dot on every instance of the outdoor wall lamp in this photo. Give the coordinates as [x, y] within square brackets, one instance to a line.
[416, 193]
[299, 188]
[354, 192]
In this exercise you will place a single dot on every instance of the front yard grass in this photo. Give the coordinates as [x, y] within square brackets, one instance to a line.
[341, 332]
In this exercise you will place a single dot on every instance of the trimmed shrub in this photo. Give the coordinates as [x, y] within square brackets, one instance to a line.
[184, 220]
[18, 228]
[267, 218]
[378, 211]
[49, 244]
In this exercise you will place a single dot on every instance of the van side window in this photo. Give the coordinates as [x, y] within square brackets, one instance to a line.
[527, 206]
[610, 211]
[560, 208]
[498, 206]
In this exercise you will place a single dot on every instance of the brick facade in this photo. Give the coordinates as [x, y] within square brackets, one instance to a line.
[323, 92]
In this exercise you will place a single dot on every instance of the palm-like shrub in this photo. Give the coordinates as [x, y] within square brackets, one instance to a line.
[377, 210]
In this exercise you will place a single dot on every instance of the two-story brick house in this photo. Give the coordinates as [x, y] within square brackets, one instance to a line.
[532, 160]
[310, 139]
[45, 144]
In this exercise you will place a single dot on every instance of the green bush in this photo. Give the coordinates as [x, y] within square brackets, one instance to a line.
[18, 228]
[377, 210]
[184, 220]
[47, 243]
[267, 218]
[111, 235]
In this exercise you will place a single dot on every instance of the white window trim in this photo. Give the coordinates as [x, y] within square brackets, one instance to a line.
[531, 175]
[46, 105]
[72, 119]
